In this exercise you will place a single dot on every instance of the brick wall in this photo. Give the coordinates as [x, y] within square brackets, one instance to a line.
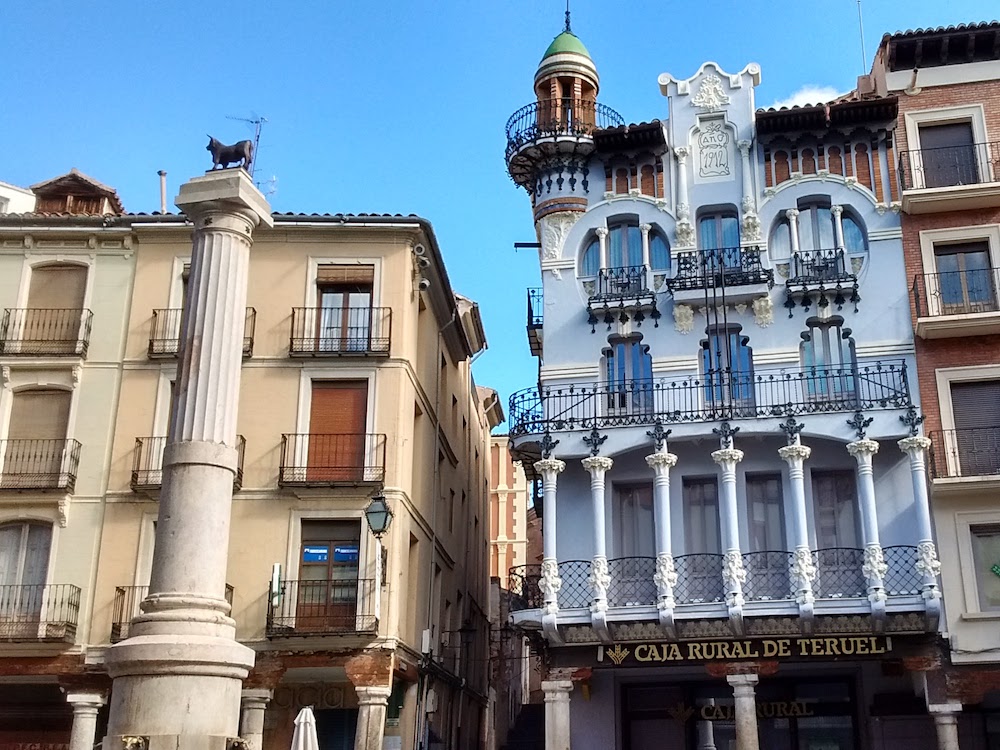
[986, 93]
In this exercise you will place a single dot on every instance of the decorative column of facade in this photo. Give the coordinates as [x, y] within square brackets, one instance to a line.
[85, 704]
[557, 713]
[252, 720]
[838, 226]
[666, 574]
[647, 266]
[946, 724]
[792, 214]
[602, 238]
[705, 729]
[750, 229]
[745, 710]
[600, 577]
[177, 678]
[803, 567]
[734, 575]
[928, 565]
[874, 566]
[373, 702]
[550, 582]
[684, 230]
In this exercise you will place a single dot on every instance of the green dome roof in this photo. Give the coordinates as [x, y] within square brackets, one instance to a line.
[566, 42]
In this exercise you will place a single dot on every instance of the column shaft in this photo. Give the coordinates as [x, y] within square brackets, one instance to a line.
[557, 727]
[744, 693]
[549, 468]
[85, 707]
[874, 568]
[372, 705]
[252, 717]
[803, 567]
[733, 572]
[600, 577]
[666, 574]
[946, 725]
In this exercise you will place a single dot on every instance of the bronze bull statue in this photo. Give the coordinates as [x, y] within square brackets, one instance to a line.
[223, 155]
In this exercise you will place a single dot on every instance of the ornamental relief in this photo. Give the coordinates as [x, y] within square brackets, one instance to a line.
[714, 150]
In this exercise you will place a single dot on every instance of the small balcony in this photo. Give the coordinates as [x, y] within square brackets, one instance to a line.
[147, 463]
[957, 303]
[319, 608]
[821, 272]
[952, 178]
[165, 333]
[340, 331]
[28, 332]
[318, 460]
[39, 613]
[536, 309]
[965, 459]
[734, 273]
[127, 606]
[39, 465]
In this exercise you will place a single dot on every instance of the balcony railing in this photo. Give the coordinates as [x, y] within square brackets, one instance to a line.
[949, 166]
[723, 267]
[311, 608]
[318, 460]
[165, 333]
[554, 117]
[127, 606]
[623, 283]
[700, 579]
[147, 463]
[820, 267]
[969, 452]
[39, 464]
[711, 397]
[39, 612]
[340, 331]
[27, 332]
[956, 292]
[536, 308]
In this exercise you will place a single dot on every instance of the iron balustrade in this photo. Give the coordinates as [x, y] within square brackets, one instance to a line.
[165, 332]
[819, 267]
[624, 282]
[949, 166]
[127, 606]
[965, 452]
[838, 573]
[339, 331]
[326, 460]
[956, 292]
[28, 332]
[340, 607]
[147, 463]
[39, 612]
[632, 582]
[536, 308]
[902, 577]
[768, 576]
[712, 397]
[699, 578]
[721, 267]
[29, 464]
[554, 117]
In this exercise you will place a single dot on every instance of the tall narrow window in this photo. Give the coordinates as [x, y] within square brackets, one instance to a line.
[591, 265]
[727, 362]
[24, 564]
[837, 540]
[344, 294]
[765, 512]
[634, 521]
[948, 154]
[975, 444]
[965, 279]
[659, 251]
[337, 423]
[829, 360]
[328, 576]
[986, 558]
[700, 565]
[36, 439]
[624, 245]
[55, 308]
[629, 374]
[719, 238]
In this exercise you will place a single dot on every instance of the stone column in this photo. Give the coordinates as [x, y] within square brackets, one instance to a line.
[602, 239]
[792, 214]
[644, 228]
[684, 230]
[557, 713]
[803, 567]
[177, 678]
[550, 469]
[733, 573]
[874, 566]
[666, 575]
[252, 720]
[750, 223]
[705, 729]
[928, 564]
[372, 705]
[85, 704]
[946, 724]
[838, 226]
[600, 577]
[744, 691]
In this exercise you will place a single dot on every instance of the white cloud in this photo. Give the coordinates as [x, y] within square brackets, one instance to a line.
[808, 94]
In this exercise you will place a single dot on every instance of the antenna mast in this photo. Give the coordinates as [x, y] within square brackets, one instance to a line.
[567, 18]
[861, 30]
[258, 123]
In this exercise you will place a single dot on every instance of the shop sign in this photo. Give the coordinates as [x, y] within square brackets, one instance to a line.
[727, 712]
[768, 648]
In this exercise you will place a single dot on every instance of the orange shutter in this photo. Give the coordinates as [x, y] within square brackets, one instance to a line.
[337, 422]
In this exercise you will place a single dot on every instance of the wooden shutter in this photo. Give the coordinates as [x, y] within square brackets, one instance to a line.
[337, 422]
[57, 287]
[352, 274]
[976, 404]
[39, 415]
[948, 135]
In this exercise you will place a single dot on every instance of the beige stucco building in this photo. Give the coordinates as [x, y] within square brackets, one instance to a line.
[508, 509]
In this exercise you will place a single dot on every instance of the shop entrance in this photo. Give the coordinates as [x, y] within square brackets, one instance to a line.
[791, 715]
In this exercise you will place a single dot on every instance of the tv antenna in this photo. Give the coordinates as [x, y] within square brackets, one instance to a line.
[861, 30]
[257, 122]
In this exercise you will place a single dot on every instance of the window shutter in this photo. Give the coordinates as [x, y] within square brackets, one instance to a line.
[950, 135]
[57, 288]
[338, 407]
[976, 404]
[352, 274]
[39, 415]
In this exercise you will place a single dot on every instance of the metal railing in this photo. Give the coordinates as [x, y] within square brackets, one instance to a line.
[902, 577]
[554, 117]
[27, 332]
[949, 166]
[323, 608]
[339, 331]
[147, 463]
[712, 397]
[318, 460]
[768, 576]
[39, 464]
[127, 605]
[165, 333]
[838, 573]
[819, 267]
[536, 308]
[966, 452]
[956, 292]
[39, 612]
[722, 267]
[624, 282]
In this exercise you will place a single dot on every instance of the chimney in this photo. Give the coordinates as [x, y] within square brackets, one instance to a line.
[163, 191]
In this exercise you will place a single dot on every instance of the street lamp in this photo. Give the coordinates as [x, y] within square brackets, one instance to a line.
[379, 515]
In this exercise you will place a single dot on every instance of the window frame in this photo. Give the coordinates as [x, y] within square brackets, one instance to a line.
[635, 522]
[912, 121]
[944, 377]
[930, 239]
[965, 522]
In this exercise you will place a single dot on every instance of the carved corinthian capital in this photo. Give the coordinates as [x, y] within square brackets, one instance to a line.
[794, 453]
[915, 443]
[661, 461]
[550, 466]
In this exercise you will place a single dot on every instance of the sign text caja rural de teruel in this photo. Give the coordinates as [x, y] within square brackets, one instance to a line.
[768, 648]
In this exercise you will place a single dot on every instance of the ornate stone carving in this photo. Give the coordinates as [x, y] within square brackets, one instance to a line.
[590, 287]
[554, 230]
[763, 311]
[713, 150]
[733, 572]
[915, 442]
[794, 452]
[792, 214]
[782, 269]
[710, 95]
[599, 580]
[599, 464]
[857, 263]
[550, 584]
[684, 232]
[553, 465]
[666, 573]
[803, 567]
[927, 559]
[751, 226]
[63, 511]
[727, 455]
[660, 460]
[863, 448]
[874, 562]
[5, 376]
[683, 318]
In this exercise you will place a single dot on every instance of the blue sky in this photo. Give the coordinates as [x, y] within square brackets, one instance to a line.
[387, 107]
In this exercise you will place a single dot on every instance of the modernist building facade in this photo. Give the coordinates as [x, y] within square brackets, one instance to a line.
[356, 382]
[737, 535]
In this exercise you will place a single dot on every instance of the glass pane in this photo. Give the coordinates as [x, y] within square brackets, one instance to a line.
[781, 246]
[10, 554]
[824, 229]
[633, 255]
[316, 553]
[986, 557]
[854, 238]
[592, 258]
[659, 253]
[708, 233]
[730, 231]
[616, 249]
[36, 555]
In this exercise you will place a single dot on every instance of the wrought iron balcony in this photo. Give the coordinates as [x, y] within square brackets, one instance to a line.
[340, 331]
[714, 396]
[968, 292]
[567, 116]
[311, 608]
[949, 166]
[536, 309]
[27, 332]
[820, 267]
[41, 612]
[624, 283]
[319, 460]
[699, 270]
[165, 333]
[965, 453]
[700, 579]
[147, 463]
[39, 464]
[126, 608]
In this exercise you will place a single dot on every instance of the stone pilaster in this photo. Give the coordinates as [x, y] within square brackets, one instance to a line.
[734, 575]
[744, 693]
[666, 574]
[928, 565]
[557, 726]
[803, 567]
[252, 719]
[750, 221]
[85, 704]
[874, 566]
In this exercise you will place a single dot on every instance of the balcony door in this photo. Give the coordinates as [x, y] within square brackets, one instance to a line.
[975, 443]
[965, 280]
[719, 239]
[55, 309]
[727, 362]
[701, 569]
[838, 544]
[327, 596]
[344, 319]
[635, 546]
[948, 154]
[338, 416]
[767, 562]
[24, 564]
[829, 362]
[629, 373]
[36, 439]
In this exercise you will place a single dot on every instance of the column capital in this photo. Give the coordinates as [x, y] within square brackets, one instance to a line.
[794, 453]
[724, 456]
[862, 449]
[661, 461]
[228, 191]
[645, 228]
[601, 232]
[557, 690]
[597, 463]
[836, 210]
[682, 153]
[792, 214]
[916, 443]
[550, 465]
[743, 680]
[369, 695]
[261, 696]
[82, 700]
[744, 147]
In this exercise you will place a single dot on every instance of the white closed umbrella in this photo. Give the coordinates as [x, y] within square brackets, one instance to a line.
[304, 737]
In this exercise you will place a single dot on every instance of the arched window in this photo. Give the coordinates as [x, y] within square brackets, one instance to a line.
[829, 359]
[659, 251]
[854, 235]
[624, 245]
[717, 230]
[628, 369]
[727, 362]
[817, 226]
[591, 265]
